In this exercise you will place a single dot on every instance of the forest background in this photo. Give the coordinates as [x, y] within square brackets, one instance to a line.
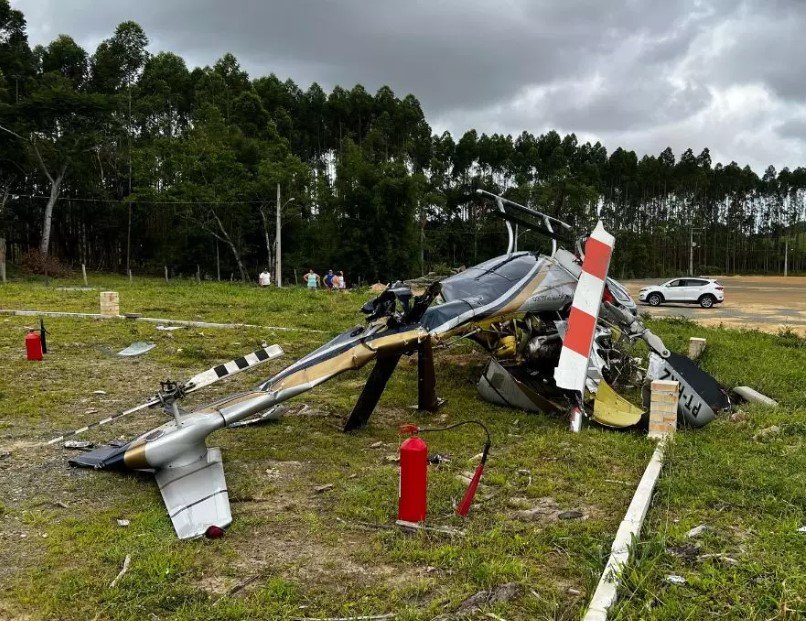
[124, 160]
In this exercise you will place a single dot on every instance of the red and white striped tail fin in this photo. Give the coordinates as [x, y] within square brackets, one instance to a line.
[573, 366]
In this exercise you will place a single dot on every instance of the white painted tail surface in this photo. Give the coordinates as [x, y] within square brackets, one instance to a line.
[196, 495]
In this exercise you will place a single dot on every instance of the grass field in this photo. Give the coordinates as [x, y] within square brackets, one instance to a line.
[312, 555]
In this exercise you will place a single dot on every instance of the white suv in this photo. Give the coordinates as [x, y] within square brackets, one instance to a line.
[703, 291]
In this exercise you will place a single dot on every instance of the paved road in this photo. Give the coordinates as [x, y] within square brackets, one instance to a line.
[769, 303]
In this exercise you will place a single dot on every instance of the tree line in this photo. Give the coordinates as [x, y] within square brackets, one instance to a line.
[121, 159]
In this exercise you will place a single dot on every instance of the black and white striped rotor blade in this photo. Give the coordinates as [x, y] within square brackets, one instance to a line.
[210, 376]
[152, 402]
[201, 380]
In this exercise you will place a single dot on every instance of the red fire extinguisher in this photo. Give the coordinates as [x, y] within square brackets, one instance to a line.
[414, 473]
[412, 500]
[33, 345]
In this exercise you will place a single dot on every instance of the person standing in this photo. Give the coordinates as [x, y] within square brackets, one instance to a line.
[264, 279]
[342, 281]
[328, 281]
[312, 279]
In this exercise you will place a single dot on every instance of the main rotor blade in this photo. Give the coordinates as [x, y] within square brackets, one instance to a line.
[211, 376]
[198, 381]
[373, 389]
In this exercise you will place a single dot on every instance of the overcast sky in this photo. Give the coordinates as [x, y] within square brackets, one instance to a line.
[726, 74]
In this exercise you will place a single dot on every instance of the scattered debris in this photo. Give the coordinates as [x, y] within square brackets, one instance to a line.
[524, 472]
[674, 579]
[696, 531]
[546, 509]
[438, 458]
[168, 328]
[766, 433]
[136, 349]
[415, 526]
[132, 315]
[239, 587]
[570, 515]
[99, 392]
[375, 445]
[802, 529]
[391, 459]
[390, 615]
[720, 556]
[123, 571]
[687, 551]
[59, 503]
[91, 411]
[324, 488]
[123, 522]
[573, 591]
[273, 473]
[499, 594]
[80, 445]
[739, 416]
[5, 454]
[747, 393]
[271, 415]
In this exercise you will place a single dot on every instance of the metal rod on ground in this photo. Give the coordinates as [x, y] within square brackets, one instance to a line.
[84, 274]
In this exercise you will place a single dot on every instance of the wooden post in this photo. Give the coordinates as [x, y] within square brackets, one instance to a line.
[130, 276]
[663, 408]
[198, 273]
[84, 274]
[3, 259]
[166, 273]
[696, 347]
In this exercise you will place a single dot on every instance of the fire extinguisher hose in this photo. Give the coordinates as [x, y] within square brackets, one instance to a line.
[464, 506]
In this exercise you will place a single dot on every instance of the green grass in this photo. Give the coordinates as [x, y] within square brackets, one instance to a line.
[313, 553]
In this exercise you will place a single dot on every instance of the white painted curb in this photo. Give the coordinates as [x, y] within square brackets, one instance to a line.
[605, 595]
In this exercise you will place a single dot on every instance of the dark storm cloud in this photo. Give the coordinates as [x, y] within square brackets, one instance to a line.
[644, 75]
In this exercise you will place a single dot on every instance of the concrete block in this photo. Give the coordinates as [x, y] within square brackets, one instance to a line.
[110, 303]
[663, 408]
[696, 347]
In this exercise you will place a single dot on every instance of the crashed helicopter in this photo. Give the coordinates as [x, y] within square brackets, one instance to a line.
[556, 327]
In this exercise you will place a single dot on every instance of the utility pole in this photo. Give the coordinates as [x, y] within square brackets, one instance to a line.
[691, 250]
[278, 261]
[786, 256]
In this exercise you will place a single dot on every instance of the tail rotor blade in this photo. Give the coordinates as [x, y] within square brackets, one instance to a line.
[200, 380]
[104, 421]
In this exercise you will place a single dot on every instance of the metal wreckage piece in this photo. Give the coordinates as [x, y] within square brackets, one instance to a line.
[555, 328]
